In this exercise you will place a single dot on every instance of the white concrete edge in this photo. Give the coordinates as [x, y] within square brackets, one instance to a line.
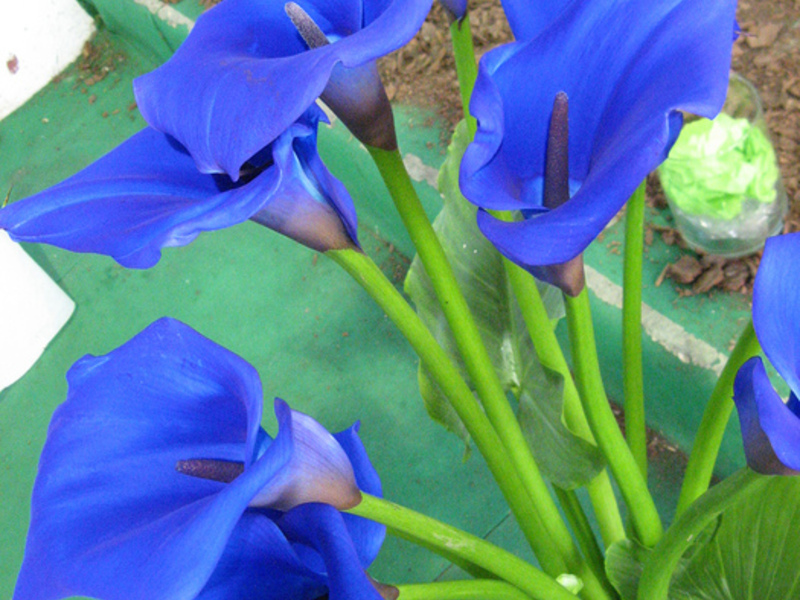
[662, 330]
[169, 14]
[419, 171]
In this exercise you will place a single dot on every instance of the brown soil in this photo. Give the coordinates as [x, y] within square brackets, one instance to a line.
[423, 71]
[767, 54]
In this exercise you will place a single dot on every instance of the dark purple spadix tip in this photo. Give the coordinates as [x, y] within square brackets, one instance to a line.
[305, 25]
[568, 276]
[356, 95]
[224, 471]
[556, 172]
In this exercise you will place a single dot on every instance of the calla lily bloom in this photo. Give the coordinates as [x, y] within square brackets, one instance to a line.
[627, 69]
[157, 481]
[147, 194]
[770, 427]
[250, 68]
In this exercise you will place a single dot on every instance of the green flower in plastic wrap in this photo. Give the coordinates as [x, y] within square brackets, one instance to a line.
[715, 166]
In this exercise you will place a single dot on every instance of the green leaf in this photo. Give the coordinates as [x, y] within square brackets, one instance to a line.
[624, 563]
[540, 407]
[755, 553]
[439, 409]
[751, 552]
[564, 458]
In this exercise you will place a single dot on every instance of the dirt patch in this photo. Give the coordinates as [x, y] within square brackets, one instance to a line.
[423, 71]
[99, 58]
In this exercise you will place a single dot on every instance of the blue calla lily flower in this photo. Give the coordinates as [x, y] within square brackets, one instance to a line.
[157, 481]
[147, 194]
[770, 427]
[628, 69]
[250, 68]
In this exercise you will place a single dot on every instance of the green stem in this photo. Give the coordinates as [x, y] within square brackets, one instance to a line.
[462, 590]
[550, 354]
[414, 526]
[473, 351]
[584, 534]
[644, 515]
[466, 68]
[633, 379]
[715, 419]
[449, 380]
[658, 569]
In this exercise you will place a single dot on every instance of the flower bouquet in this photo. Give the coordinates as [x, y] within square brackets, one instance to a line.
[157, 479]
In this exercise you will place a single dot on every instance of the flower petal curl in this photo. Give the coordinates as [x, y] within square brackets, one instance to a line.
[776, 306]
[320, 528]
[147, 194]
[259, 563]
[367, 535]
[770, 428]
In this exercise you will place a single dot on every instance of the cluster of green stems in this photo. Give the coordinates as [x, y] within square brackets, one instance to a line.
[563, 546]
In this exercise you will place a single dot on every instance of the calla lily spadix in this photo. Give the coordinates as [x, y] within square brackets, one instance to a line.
[250, 68]
[629, 69]
[148, 194]
[157, 481]
[770, 427]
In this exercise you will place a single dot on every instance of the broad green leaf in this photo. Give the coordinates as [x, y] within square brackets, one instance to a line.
[755, 553]
[751, 552]
[564, 458]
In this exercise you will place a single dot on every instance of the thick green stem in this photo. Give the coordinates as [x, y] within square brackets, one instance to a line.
[715, 419]
[654, 583]
[480, 589]
[414, 526]
[449, 380]
[632, 376]
[584, 534]
[644, 515]
[466, 68]
[550, 354]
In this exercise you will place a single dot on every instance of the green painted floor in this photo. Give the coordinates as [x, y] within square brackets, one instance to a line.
[314, 336]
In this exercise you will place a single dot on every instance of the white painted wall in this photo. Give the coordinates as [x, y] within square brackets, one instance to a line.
[33, 310]
[38, 39]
